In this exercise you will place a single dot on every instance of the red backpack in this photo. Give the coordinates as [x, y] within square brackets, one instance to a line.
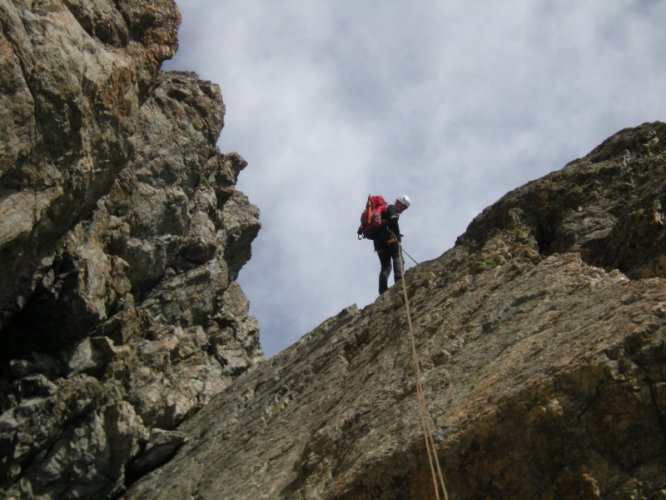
[371, 218]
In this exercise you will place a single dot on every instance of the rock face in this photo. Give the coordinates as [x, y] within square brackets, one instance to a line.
[540, 337]
[130, 366]
[121, 237]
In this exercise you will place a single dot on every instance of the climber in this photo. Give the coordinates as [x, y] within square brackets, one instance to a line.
[386, 238]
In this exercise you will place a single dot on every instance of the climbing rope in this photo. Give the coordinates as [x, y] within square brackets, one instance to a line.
[424, 415]
[402, 250]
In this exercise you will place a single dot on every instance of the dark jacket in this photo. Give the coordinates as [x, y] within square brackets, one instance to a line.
[390, 230]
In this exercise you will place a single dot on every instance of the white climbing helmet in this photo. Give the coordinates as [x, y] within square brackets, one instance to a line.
[404, 199]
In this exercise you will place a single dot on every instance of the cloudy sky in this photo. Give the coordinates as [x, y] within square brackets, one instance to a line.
[453, 102]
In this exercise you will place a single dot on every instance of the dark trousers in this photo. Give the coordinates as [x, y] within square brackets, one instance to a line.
[387, 256]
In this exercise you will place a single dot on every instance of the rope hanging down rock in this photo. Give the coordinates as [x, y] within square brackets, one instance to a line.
[424, 415]
[403, 251]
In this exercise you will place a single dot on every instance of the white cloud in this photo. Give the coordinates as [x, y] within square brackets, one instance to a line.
[454, 103]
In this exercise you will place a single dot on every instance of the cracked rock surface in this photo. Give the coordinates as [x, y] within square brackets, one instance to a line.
[540, 337]
[121, 237]
[129, 366]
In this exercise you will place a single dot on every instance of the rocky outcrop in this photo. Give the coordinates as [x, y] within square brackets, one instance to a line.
[121, 237]
[608, 207]
[126, 345]
[540, 337]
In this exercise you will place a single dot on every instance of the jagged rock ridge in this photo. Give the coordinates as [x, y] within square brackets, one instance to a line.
[121, 237]
[541, 341]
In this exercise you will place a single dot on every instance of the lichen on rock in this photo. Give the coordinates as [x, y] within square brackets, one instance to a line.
[121, 235]
[541, 357]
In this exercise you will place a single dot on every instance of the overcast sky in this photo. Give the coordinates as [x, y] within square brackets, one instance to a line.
[453, 102]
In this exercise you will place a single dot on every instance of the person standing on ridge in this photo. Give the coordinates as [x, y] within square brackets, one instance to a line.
[386, 240]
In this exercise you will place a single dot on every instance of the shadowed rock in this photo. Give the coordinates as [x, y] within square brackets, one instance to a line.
[121, 237]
